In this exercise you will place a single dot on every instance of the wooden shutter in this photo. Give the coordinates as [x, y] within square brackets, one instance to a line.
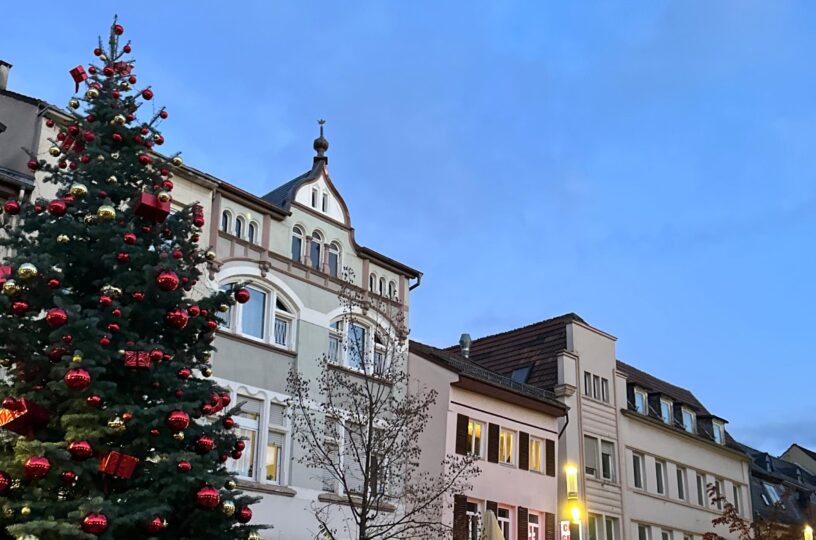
[461, 434]
[549, 527]
[521, 531]
[524, 451]
[460, 518]
[492, 505]
[493, 443]
[550, 451]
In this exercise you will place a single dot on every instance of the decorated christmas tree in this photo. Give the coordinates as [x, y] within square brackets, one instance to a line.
[110, 426]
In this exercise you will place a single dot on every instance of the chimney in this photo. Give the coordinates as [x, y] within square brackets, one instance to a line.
[464, 345]
[5, 67]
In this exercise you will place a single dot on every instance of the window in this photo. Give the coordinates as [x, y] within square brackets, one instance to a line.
[681, 483]
[329, 479]
[474, 520]
[612, 528]
[506, 446]
[533, 530]
[666, 411]
[666, 535]
[314, 197]
[252, 315]
[314, 250]
[226, 221]
[297, 244]
[283, 324]
[719, 432]
[356, 346]
[247, 424]
[608, 461]
[770, 495]
[275, 443]
[382, 286]
[334, 259]
[720, 485]
[587, 383]
[239, 227]
[536, 463]
[592, 528]
[735, 490]
[641, 401]
[252, 232]
[660, 476]
[605, 390]
[637, 467]
[596, 387]
[688, 420]
[688, 537]
[644, 532]
[591, 455]
[475, 430]
[250, 319]
[520, 375]
[372, 282]
[324, 205]
[503, 516]
[700, 490]
[392, 290]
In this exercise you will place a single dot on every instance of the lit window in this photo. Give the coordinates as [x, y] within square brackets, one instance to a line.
[638, 463]
[239, 227]
[533, 529]
[689, 420]
[314, 252]
[252, 232]
[660, 477]
[226, 220]
[719, 432]
[506, 446]
[681, 483]
[536, 462]
[591, 456]
[297, 244]
[666, 411]
[503, 516]
[334, 259]
[608, 461]
[275, 443]
[641, 401]
[475, 430]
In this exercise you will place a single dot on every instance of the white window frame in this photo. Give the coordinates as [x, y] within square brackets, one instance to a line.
[615, 523]
[587, 383]
[736, 492]
[239, 227]
[719, 483]
[252, 450]
[592, 526]
[718, 432]
[471, 514]
[700, 484]
[478, 452]
[688, 413]
[382, 287]
[596, 471]
[271, 313]
[682, 483]
[640, 466]
[668, 404]
[298, 232]
[660, 477]
[646, 528]
[539, 443]
[604, 389]
[613, 472]
[596, 387]
[338, 340]
[334, 250]
[316, 238]
[372, 282]
[252, 232]
[392, 290]
[533, 529]
[507, 434]
[641, 393]
[505, 523]
[226, 215]
[666, 534]
[324, 202]
[314, 196]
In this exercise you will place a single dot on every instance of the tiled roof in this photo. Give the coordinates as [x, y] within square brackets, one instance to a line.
[535, 345]
[653, 384]
[283, 196]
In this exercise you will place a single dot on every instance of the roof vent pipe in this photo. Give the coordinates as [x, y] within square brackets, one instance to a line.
[5, 67]
[464, 345]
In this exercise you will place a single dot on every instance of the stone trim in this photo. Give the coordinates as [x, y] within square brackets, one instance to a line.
[272, 489]
[342, 500]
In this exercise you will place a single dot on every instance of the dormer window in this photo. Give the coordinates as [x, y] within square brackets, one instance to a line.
[689, 420]
[641, 401]
[768, 463]
[666, 411]
[718, 429]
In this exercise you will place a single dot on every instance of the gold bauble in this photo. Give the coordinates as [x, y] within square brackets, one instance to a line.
[125, 86]
[210, 255]
[110, 290]
[78, 190]
[92, 93]
[228, 508]
[11, 288]
[253, 535]
[100, 157]
[177, 161]
[163, 196]
[25, 511]
[73, 103]
[54, 151]
[230, 484]
[117, 424]
[112, 179]
[178, 435]
[119, 120]
[90, 220]
[27, 271]
[63, 239]
[8, 511]
[223, 308]
[106, 212]
[77, 358]
[5, 362]
[207, 372]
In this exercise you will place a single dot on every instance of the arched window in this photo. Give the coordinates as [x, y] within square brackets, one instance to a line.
[392, 290]
[382, 286]
[334, 259]
[358, 344]
[297, 244]
[226, 221]
[252, 232]
[314, 252]
[267, 316]
[372, 282]
[239, 227]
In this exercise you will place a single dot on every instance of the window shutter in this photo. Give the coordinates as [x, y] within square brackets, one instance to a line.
[493, 443]
[492, 505]
[524, 451]
[460, 518]
[550, 451]
[549, 527]
[461, 434]
[521, 530]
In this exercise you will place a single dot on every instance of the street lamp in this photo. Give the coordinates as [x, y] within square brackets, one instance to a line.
[808, 532]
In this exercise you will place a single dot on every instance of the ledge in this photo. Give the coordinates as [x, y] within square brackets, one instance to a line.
[267, 488]
[259, 344]
[334, 498]
[359, 374]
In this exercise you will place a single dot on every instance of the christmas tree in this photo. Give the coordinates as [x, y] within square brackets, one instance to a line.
[111, 428]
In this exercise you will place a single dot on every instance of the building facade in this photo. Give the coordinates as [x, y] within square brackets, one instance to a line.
[511, 427]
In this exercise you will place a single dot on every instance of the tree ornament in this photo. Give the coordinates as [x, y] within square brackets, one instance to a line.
[11, 207]
[244, 514]
[240, 445]
[230, 484]
[67, 338]
[147, 94]
[206, 372]
[167, 280]
[27, 271]
[228, 508]
[155, 525]
[77, 379]
[236, 454]
[176, 161]
[123, 257]
[163, 114]
[144, 159]
[178, 420]
[253, 535]
[33, 164]
[94, 400]
[56, 317]
[228, 422]
[57, 207]
[193, 311]
[210, 255]
[117, 424]
[54, 151]
[95, 523]
[5, 482]
[182, 467]
[73, 103]
[184, 373]
[77, 358]
[177, 318]
[92, 93]
[179, 435]
[127, 49]
[25, 511]
[129, 238]
[90, 220]
[118, 29]
[204, 444]
[78, 190]
[68, 477]
[138, 296]
[19, 307]
[104, 341]
[105, 300]
[36, 467]
[208, 497]
[118, 120]
[80, 450]
[158, 139]
[63, 239]
[106, 212]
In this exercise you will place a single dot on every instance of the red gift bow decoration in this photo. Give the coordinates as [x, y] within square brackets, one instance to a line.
[118, 465]
[5, 273]
[24, 419]
[79, 75]
[137, 359]
[150, 207]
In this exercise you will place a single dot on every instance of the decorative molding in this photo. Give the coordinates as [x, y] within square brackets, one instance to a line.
[272, 489]
[333, 498]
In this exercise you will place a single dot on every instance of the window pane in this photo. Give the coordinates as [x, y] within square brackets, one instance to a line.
[688, 421]
[334, 348]
[659, 473]
[277, 414]
[611, 529]
[640, 402]
[665, 412]
[593, 527]
[225, 221]
[591, 455]
[605, 390]
[356, 346]
[637, 468]
[281, 332]
[608, 460]
[246, 465]
[297, 248]
[251, 232]
[329, 477]
[475, 437]
[314, 254]
[587, 383]
[274, 455]
[700, 490]
[253, 313]
[334, 261]
[535, 455]
[505, 447]
[681, 483]
[239, 227]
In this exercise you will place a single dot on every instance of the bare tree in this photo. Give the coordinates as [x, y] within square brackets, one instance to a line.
[359, 427]
[770, 528]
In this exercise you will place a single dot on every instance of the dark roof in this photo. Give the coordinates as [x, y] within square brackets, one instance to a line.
[22, 97]
[536, 345]
[460, 364]
[282, 196]
[653, 384]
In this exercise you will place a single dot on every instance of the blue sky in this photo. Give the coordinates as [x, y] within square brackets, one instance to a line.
[648, 165]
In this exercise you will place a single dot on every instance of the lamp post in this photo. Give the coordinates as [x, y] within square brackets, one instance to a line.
[573, 503]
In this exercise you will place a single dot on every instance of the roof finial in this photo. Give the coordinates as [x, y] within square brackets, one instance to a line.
[321, 144]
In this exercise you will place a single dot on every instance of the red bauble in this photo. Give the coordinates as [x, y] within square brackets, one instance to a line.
[212, 324]
[94, 400]
[178, 420]
[207, 409]
[36, 467]
[57, 207]
[67, 338]
[73, 130]
[129, 238]
[104, 341]
[204, 444]
[117, 138]
[225, 399]
[19, 308]
[55, 353]
[223, 458]
[244, 514]
[132, 79]
[11, 404]
[240, 445]
[107, 71]
[178, 254]
[84, 158]
[184, 466]
[116, 312]
[167, 280]
[229, 423]
[101, 194]
[208, 497]
[89, 136]
[177, 318]
[122, 257]
[179, 393]
[144, 159]
[68, 477]
[156, 355]
[77, 379]
[80, 450]
[158, 139]
[193, 311]
[68, 197]
[11, 207]
[105, 300]
[138, 296]
[95, 523]
[56, 317]
[145, 131]
[155, 432]
[97, 51]
[118, 29]
[49, 123]
[184, 373]
[148, 94]
[155, 525]
[38, 209]
[5, 482]
[33, 164]
[242, 296]
[113, 327]
[163, 114]
[198, 221]
[53, 283]
[236, 454]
